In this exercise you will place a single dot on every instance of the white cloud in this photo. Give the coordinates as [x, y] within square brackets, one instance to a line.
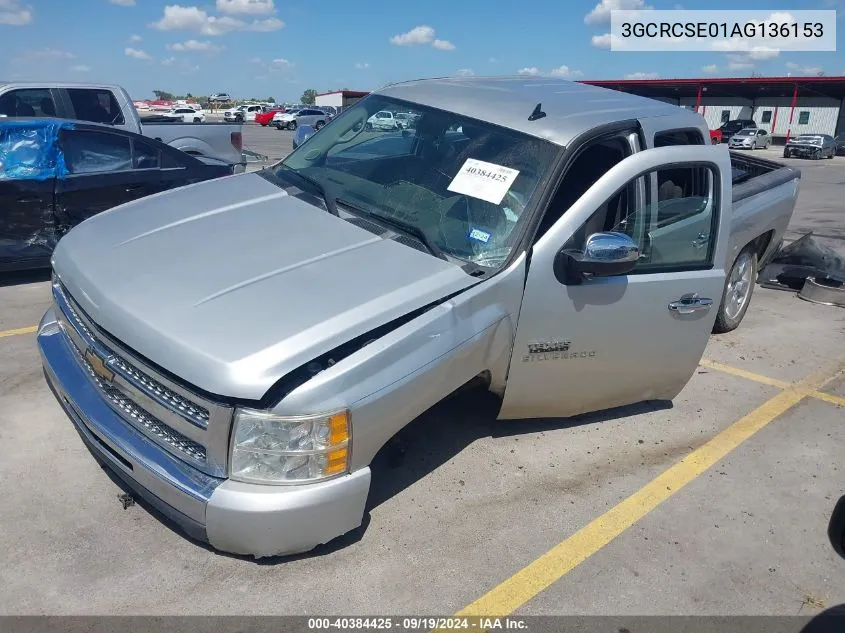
[417, 35]
[280, 62]
[195, 46]
[710, 69]
[605, 40]
[739, 62]
[177, 17]
[253, 7]
[529, 70]
[123, 3]
[362, 66]
[804, 70]
[420, 35]
[136, 53]
[168, 62]
[565, 71]
[135, 38]
[15, 13]
[642, 75]
[80, 68]
[464, 72]
[601, 12]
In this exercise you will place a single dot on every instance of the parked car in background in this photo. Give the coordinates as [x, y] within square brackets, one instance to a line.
[221, 97]
[383, 120]
[111, 105]
[307, 116]
[186, 115]
[266, 117]
[840, 144]
[750, 138]
[242, 113]
[813, 146]
[56, 173]
[733, 126]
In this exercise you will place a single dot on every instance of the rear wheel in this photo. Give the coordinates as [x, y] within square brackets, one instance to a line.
[714, 141]
[197, 119]
[292, 125]
[736, 296]
[319, 124]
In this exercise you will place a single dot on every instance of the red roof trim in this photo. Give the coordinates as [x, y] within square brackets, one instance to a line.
[713, 80]
[345, 93]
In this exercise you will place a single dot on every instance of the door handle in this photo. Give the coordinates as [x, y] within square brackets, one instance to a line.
[688, 304]
[701, 240]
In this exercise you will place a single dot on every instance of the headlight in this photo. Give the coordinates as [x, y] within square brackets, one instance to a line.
[273, 449]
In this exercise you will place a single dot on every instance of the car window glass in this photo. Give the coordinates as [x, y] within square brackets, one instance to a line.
[95, 152]
[145, 155]
[677, 231]
[95, 105]
[36, 102]
[173, 159]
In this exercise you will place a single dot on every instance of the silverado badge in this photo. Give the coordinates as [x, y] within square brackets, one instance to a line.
[98, 365]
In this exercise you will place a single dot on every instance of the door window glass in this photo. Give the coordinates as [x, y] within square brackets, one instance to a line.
[675, 230]
[36, 102]
[145, 155]
[767, 117]
[88, 152]
[96, 105]
[804, 117]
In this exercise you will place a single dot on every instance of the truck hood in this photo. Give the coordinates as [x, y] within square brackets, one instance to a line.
[232, 283]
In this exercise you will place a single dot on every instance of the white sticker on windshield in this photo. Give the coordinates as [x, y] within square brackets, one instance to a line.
[485, 181]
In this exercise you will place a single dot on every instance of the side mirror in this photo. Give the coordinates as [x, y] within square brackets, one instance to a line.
[604, 255]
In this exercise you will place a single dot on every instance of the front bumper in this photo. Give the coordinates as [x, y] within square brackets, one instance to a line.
[802, 150]
[231, 516]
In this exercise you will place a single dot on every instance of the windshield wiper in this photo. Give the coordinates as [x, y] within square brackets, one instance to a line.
[403, 226]
[331, 207]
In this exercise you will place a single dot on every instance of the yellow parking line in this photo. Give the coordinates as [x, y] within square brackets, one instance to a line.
[554, 564]
[736, 371]
[774, 382]
[20, 330]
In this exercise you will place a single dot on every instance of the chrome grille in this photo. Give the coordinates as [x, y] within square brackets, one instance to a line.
[143, 418]
[166, 412]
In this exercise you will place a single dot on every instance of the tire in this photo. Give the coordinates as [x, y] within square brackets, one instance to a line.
[714, 141]
[319, 124]
[786, 154]
[739, 286]
[197, 119]
[368, 126]
[832, 153]
[817, 154]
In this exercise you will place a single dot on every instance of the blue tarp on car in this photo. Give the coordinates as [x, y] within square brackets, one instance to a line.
[29, 150]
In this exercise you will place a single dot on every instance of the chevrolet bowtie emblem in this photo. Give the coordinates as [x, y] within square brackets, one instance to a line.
[98, 365]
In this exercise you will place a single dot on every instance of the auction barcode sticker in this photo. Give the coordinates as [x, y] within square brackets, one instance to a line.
[485, 181]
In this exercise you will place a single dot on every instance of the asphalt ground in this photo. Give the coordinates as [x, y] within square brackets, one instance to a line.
[715, 505]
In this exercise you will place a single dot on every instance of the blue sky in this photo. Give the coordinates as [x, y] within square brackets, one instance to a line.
[279, 48]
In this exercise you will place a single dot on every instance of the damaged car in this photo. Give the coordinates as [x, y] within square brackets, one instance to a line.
[55, 173]
[239, 351]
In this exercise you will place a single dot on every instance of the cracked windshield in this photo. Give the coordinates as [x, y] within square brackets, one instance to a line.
[460, 188]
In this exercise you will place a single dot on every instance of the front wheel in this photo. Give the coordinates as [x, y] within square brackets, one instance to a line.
[292, 125]
[736, 296]
[319, 124]
[786, 154]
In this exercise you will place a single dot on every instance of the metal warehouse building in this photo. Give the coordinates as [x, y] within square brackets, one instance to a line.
[785, 106]
[340, 98]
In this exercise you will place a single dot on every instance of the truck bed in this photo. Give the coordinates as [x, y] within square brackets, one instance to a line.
[763, 196]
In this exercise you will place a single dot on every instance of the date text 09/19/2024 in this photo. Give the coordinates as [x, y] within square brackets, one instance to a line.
[422, 623]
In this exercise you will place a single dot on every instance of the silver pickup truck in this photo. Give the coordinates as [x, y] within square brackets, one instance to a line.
[238, 351]
[111, 105]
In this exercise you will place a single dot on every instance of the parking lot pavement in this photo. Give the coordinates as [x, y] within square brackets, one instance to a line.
[619, 512]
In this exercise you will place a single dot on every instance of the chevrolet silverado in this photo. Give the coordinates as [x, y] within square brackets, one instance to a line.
[238, 351]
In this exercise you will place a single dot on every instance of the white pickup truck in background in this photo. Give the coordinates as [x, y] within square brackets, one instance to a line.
[111, 105]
